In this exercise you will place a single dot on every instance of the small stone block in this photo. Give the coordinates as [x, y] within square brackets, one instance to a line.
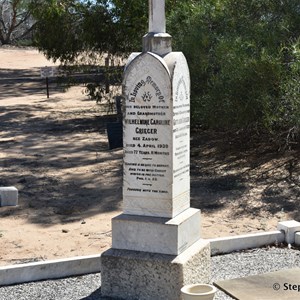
[8, 196]
[290, 228]
[139, 275]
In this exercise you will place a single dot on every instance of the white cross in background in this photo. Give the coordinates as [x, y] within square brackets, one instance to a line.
[157, 18]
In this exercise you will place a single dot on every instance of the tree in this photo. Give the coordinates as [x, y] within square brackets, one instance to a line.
[15, 20]
[244, 61]
[243, 54]
[86, 26]
[113, 26]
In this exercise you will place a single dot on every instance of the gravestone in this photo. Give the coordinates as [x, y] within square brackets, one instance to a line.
[8, 196]
[115, 129]
[114, 134]
[156, 241]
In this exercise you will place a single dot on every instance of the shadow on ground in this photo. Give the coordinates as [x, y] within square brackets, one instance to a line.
[59, 160]
[52, 170]
[60, 163]
[249, 175]
[25, 82]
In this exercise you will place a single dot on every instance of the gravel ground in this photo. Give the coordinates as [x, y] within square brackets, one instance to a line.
[228, 266]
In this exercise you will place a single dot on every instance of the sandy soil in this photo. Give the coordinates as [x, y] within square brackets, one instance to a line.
[55, 152]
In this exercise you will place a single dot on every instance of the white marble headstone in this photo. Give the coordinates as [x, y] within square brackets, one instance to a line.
[157, 236]
[156, 136]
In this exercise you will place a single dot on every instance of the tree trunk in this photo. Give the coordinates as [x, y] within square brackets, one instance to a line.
[7, 29]
[5, 41]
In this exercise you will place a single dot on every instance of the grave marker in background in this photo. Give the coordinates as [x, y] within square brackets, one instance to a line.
[156, 242]
[8, 196]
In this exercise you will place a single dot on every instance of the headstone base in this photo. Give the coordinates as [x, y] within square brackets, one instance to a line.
[146, 276]
[157, 235]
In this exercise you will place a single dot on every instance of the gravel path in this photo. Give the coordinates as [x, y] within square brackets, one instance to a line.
[228, 266]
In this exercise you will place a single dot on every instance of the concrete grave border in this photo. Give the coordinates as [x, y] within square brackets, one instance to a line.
[81, 265]
[241, 242]
[52, 269]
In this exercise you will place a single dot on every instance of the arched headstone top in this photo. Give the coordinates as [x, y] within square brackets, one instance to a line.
[146, 73]
[142, 63]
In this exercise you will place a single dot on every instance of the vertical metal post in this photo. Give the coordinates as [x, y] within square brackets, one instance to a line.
[106, 75]
[47, 86]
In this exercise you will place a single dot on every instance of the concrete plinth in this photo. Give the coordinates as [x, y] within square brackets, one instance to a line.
[157, 235]
[146, 276]
[8, 196]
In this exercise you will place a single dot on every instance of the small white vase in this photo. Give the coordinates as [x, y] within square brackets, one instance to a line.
[198, 292]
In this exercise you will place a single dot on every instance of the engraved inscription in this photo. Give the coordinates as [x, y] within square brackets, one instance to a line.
[148, 123]
[146, 85]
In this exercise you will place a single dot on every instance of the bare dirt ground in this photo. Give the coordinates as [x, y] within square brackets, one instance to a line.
[55, 151]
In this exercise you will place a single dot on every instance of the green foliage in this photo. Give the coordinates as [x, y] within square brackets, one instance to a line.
[289, 111]
[243, 54]
[58, 31]
[95, 91]
[244, 61]
[68, 28]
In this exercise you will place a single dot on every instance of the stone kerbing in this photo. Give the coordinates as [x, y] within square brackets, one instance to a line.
[52, 269]
[234, 243]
